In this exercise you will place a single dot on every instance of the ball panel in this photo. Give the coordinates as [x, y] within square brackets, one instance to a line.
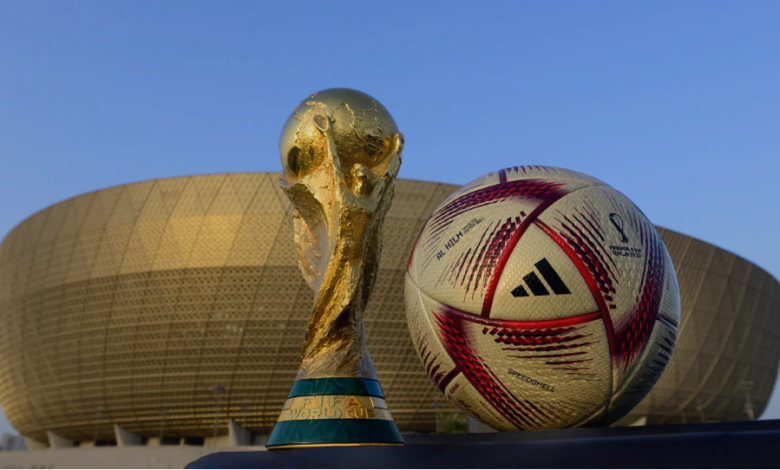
[596, 418]
[466, 242]
[548, 172]
[487, 180]
[537, 375]
[621, 256]
[645, 371]
[457, 263]
[670, 300]
[466, 398]
[527, 172]
[615, 246]
[426, 337]
[411, 264]
[540, 282]
[614, 258]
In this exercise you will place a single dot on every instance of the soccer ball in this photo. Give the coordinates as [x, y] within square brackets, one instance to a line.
[542, 298]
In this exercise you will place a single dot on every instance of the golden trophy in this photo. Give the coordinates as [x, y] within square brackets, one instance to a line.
[340, 151]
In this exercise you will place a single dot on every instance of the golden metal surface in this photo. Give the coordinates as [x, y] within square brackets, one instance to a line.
[334, 407]
[128, 304]
[333, 400]
[341, 152]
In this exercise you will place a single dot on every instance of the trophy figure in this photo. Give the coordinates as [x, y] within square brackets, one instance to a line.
[340, 151]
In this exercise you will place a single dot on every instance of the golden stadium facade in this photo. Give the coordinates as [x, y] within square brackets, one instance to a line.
[137, 305]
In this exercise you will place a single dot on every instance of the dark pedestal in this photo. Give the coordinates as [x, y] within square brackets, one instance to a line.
[751, 444]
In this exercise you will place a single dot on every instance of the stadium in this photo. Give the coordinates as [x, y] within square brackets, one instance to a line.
[173, 311]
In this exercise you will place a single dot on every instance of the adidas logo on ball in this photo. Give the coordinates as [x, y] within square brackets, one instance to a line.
[535, 284]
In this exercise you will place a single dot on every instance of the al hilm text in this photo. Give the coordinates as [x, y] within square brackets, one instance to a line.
[456, 238]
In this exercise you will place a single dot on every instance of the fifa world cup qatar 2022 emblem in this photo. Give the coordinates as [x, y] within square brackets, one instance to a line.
[340, 151]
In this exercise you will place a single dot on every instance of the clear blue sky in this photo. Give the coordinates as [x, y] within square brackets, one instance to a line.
[676, 104]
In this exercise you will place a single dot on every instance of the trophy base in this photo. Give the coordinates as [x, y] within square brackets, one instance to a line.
[334, 412]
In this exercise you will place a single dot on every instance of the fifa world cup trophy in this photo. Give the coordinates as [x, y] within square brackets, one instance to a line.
[341, 151]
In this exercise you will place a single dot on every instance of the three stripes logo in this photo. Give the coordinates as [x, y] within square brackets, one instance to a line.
[536, 285]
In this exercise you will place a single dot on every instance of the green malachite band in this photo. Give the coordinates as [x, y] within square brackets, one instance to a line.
[336, 386]
[334, 431]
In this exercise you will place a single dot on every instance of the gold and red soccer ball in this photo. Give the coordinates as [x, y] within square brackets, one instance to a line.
[542, 298]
